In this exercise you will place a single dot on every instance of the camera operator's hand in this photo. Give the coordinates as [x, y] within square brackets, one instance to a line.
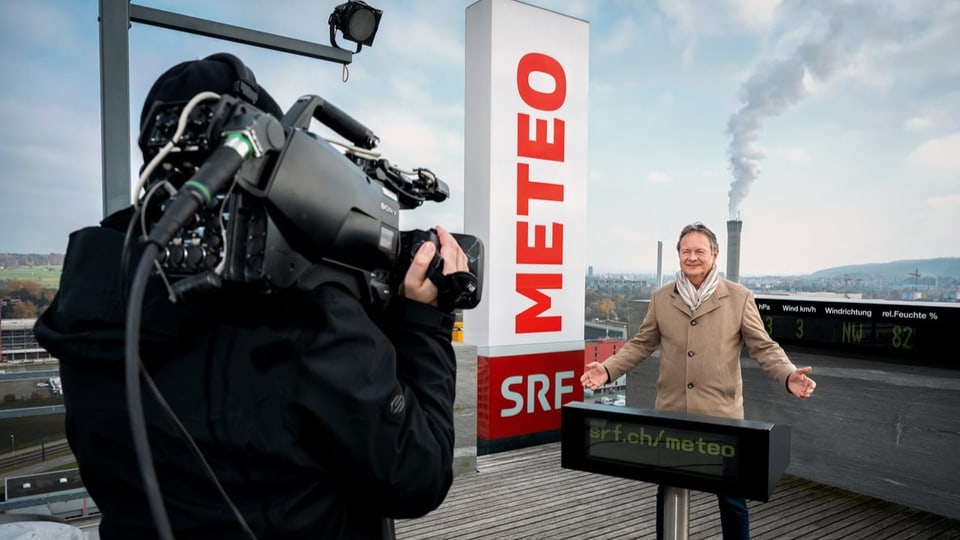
[416, 285]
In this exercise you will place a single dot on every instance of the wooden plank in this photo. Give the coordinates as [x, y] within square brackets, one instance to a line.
[525, 493]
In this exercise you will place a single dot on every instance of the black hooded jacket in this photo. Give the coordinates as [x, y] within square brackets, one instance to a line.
[318, 421]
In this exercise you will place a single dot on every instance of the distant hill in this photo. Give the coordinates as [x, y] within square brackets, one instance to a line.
[941, 267]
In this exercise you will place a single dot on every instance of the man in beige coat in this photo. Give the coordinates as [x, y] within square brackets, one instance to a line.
[702, 322]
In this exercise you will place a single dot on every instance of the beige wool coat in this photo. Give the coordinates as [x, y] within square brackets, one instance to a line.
[700, 355]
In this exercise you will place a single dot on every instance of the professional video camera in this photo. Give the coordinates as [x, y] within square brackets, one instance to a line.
[233, 196]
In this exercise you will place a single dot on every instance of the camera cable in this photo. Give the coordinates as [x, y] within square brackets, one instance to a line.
[217, 170]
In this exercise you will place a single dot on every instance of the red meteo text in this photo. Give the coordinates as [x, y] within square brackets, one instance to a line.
[544, 143]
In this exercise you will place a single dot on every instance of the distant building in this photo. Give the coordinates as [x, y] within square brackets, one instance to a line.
[599, 330]
[17, 342]
[600, 350]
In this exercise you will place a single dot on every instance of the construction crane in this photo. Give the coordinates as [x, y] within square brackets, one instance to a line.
[916, 280]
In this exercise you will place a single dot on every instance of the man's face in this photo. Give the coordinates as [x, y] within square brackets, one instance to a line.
[696, 257]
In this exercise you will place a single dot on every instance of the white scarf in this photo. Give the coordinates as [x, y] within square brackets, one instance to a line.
[693, 296]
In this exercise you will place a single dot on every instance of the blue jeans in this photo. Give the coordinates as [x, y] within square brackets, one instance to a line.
[734, 517]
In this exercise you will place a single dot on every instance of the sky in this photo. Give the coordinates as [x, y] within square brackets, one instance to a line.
[830, 128]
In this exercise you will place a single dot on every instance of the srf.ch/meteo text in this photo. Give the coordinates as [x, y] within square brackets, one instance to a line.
[660, 438]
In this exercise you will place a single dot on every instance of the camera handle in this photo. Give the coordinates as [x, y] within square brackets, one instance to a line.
[454, 291]
[311, 106]
[457, 290]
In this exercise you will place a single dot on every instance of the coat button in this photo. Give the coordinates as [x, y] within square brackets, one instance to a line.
[690, 386]
[693, 322]
[690, 354]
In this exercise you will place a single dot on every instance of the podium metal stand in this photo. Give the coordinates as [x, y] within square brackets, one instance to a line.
[676, 513]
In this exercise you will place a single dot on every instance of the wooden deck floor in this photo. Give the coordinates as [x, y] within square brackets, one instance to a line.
[526, 494]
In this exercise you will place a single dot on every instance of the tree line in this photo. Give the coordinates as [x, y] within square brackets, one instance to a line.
[13, 260]
[612, 303]
[24, 299]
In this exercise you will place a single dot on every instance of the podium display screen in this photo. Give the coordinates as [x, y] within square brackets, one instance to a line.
[695, 452]
[716, 455]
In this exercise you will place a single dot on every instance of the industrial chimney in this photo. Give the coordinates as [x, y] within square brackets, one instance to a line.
[734, 226]
[659, 263]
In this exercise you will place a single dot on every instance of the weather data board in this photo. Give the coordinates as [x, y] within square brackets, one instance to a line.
[916, 329]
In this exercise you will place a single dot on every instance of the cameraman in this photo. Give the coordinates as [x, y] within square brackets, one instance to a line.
[318, 418]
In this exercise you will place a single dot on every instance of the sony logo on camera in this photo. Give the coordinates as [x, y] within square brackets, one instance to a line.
[389, 209]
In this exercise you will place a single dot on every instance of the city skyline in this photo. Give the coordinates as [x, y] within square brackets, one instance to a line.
[886, 268]
[831, 129]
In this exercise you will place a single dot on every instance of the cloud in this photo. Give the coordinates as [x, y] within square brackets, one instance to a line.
[659, 177]
[944, 202]
[931, 112]
[700, 20]
[695, 22]
[942, 153]
[38, 26]
[622, 37]
[904, 44]
[796, 155]
[918, 123]
[754, 15]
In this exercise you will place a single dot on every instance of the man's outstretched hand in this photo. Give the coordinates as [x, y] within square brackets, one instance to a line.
[594, 375]
[800, 385]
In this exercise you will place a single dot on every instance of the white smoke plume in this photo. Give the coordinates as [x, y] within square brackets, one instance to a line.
[769, 91]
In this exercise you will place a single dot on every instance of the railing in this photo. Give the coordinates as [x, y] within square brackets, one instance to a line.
[34, 454]
[69, 503]
[83, 506]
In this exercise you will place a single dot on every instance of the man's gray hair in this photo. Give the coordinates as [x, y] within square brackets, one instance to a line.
[701, 228]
